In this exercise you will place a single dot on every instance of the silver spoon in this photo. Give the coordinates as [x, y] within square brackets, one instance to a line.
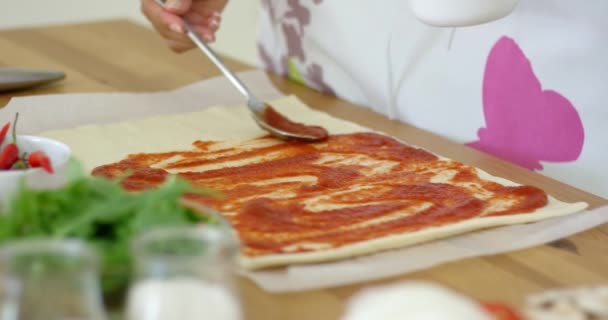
[263, 114]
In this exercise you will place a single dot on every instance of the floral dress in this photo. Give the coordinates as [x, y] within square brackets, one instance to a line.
[530, 88]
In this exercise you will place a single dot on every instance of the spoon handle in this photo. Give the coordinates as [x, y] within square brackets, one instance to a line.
[220, 64]
[252, 100]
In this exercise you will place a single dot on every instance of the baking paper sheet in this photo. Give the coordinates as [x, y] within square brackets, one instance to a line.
[52, 112]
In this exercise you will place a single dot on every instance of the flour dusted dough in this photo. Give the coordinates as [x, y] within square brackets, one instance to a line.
[96, 145]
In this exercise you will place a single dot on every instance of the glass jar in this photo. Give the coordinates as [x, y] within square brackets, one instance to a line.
[49, 279]
[184, 273]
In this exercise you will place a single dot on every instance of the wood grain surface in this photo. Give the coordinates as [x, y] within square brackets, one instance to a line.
[122, 56]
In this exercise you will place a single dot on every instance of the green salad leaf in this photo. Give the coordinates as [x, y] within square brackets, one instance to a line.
[101, 212]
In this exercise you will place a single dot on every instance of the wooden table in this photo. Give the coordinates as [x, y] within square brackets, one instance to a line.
[121, 56]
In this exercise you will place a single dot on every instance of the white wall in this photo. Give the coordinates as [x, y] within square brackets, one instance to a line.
[236, 37]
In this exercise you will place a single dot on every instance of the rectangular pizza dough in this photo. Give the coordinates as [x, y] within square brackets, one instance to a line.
[96, 145]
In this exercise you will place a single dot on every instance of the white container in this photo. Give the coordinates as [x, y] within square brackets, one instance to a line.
[36, 178]
[461, 13]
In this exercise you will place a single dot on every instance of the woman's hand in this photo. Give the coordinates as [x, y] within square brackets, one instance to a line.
[203, 16]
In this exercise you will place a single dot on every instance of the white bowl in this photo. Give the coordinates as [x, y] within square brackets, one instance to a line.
[35, 178]
[461, 13]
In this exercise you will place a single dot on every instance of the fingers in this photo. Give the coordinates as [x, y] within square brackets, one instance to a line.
[168, 25]
[205, 25]
[163, 21]
[204, 21]
[178, 7]
[179, 46]
[205, 17]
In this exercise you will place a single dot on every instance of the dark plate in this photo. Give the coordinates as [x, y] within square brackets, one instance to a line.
[15, 79]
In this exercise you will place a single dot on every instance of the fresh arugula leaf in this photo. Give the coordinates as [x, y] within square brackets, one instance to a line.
[102, 213]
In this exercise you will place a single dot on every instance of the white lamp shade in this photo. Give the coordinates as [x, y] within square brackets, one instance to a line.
[461, 13]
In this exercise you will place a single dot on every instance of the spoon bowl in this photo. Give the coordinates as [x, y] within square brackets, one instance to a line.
[280, 127]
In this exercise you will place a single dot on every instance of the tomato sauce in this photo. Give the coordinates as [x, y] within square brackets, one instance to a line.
[346, 189]
[277, 120]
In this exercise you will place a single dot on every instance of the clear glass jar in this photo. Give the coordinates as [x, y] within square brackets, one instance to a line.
[49, 279]
[184, 273]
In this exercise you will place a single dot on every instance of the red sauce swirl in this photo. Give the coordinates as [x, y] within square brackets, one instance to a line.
[280, 196]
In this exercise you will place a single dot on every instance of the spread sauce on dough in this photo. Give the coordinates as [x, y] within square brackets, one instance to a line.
[290, 197]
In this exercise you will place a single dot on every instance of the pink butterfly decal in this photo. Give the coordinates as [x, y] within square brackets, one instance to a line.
[524, 123]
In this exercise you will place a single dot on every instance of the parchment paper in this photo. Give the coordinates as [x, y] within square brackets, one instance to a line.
[426, 255]
[53, 112]
[61, 111]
